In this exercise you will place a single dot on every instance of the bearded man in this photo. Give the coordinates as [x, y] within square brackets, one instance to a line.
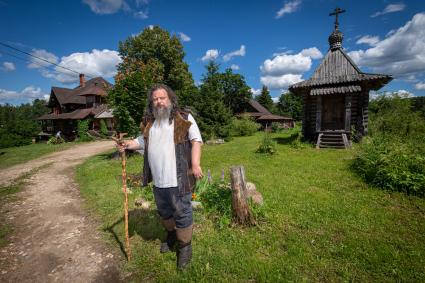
[172, 155]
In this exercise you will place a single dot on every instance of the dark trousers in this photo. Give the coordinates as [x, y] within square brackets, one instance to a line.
[171, 205]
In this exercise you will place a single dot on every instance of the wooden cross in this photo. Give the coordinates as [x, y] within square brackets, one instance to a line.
[335, 13]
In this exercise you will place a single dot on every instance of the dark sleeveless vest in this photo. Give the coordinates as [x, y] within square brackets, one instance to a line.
[183, 147]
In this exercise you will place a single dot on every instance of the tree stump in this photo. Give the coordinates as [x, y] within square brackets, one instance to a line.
[240, 208]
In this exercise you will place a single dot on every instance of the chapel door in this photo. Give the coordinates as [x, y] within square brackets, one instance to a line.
[333, 112]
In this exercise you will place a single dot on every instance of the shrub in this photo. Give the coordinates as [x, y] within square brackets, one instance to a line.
[83, 127]
[244, 127]
[55, 140]
[393, 157]
[391, 165]
[216, 199]
[267, 145]
[275, 127]
[11, 140]
[103, 129]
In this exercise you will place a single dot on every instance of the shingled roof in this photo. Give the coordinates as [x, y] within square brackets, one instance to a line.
[95, 86]
[76, 114]
[337, 73]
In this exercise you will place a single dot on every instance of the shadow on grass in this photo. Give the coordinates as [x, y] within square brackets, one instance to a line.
[145, 223]
[287, 140]
[114, 155]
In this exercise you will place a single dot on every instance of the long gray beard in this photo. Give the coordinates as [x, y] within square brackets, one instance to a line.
[162, 113]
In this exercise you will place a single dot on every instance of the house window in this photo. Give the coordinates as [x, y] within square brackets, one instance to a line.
[90, 101]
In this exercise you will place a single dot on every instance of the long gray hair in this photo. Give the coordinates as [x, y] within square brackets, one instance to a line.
[149, 112]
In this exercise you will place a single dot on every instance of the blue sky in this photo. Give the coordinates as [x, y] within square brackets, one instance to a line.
[275, 43]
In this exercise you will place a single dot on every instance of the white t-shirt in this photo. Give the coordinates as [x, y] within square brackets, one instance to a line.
[161, 151]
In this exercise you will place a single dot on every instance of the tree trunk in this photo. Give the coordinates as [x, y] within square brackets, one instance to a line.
[240, 208]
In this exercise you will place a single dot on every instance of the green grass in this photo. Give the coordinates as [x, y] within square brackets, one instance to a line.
[322, 222]
[16, 155]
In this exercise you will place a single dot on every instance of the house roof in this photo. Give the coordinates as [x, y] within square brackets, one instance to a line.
[95, 86]
[336, 70]
[273, 117]
[75, 115]
[257, 106]
[262, 113]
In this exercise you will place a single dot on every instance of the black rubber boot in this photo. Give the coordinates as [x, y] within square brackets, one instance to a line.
[184, 255]
[169, 243]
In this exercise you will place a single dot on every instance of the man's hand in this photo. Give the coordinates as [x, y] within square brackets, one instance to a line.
[196, 160]
[197, 171]
[121, 147]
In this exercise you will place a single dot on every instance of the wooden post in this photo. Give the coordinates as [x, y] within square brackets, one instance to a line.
[124, 188]
[240, 208]
[318, 113]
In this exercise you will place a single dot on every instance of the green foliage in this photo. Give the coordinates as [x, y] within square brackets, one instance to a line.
[275, 127]
[55, 140]
[236, 93]
[267, 146]
[244, 126]
[214, 118]
[103, 129]
[216, 199]
[290, 105]
[393, 157]
[391, 165]
[83, 127]
[265, 99]
[18, 125]
[150, 57]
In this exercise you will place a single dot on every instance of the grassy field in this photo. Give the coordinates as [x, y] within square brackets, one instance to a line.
[15, 155]
[322, 222]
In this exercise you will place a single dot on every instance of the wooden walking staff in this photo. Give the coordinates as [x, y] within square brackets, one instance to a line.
[119, 141]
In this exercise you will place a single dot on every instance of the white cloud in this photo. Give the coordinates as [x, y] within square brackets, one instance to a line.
[288, 8]
[280, 82]
[312, 52]
[184, 37]
[255, 92]
[104, 7]
[95, 63]
[400, 54]
[27, 95]
[234, 67]
[141, 14]
[391, 8]
[107, 7]
[420, 86]
[43, 55]
[9, 66]
[240, 52]
[286, 69]
[368, 39]
[284, 64]
[211, 54]
[403, 93]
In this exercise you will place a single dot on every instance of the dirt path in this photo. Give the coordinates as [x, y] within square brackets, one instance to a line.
[53, 239]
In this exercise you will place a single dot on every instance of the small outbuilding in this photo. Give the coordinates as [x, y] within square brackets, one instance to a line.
[336, 97]
[261, 115]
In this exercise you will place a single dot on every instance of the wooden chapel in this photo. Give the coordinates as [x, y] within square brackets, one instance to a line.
[336, 97]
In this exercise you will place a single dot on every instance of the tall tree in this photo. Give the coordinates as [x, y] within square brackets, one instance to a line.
[153, 56]
[290, 105]
[214, 116]
[235, 90]
[265, 99]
